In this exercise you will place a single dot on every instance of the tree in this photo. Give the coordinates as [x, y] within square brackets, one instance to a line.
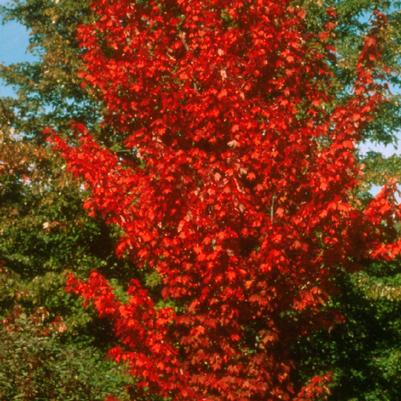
[354, 19]
[234, 194]
[50, 346]
[48, 91]
[364, 352]
[37, 363]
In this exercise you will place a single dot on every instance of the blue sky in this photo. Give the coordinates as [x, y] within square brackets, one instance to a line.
[14, 40]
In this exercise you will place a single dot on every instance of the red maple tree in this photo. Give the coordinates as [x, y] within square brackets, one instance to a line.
[239, 195]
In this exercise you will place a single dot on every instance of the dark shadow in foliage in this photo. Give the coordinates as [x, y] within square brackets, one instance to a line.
[365, 352]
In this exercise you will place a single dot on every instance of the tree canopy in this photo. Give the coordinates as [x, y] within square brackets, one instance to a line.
[350, 323]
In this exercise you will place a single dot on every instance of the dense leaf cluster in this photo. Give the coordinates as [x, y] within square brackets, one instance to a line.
[44, 233]
[241, 195]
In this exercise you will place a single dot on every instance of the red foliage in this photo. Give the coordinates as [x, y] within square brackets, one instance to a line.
[241, 198]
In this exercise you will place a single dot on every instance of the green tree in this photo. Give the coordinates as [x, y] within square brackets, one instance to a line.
[44, 232]
[50, 346]
[365, 351]
[354, 18]
[38, 363]
[48, 91]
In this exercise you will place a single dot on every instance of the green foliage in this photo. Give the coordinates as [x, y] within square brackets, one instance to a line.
[364, 353]
[379, 168]
[36, 363]
[48, 90]
[354, 18]
[44, 234]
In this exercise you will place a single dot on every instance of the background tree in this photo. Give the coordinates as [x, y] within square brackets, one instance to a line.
[48, 90]
[43, 230]
[354, 18]
[365, 350]
[51, 348]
